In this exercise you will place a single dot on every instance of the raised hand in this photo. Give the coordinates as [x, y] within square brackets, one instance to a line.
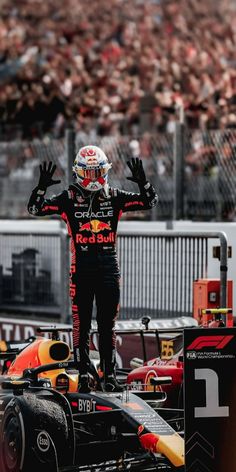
[138, 174]
[46, 175]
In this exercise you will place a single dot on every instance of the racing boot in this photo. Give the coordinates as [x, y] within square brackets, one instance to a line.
[83, 368]
[83, 386]
[111, 384]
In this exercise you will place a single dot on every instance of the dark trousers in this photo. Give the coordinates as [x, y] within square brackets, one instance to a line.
[103, 286]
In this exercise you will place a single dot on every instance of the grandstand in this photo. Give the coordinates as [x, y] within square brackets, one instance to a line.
[122, 66]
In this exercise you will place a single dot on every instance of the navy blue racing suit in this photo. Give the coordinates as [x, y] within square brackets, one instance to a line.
[92, 219]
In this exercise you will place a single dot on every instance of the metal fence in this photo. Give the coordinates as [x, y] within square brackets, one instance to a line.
[19, 162]
[157, 270]
[193, 171]
[34, 272]
[210, 175]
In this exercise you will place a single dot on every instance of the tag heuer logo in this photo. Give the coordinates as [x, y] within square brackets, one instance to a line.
[80, 199]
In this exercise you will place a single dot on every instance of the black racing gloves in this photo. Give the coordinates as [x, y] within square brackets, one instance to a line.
[138, 174]
[46, 174]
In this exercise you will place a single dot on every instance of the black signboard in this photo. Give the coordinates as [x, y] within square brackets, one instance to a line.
[210, 399]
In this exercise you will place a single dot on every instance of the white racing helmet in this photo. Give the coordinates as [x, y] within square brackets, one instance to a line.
[91, 168]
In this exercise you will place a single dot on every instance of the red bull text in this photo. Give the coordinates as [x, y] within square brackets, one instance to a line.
[98, 238]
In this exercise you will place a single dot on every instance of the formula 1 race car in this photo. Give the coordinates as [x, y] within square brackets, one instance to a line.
[160, 353]
[168, 362]
[47, 425]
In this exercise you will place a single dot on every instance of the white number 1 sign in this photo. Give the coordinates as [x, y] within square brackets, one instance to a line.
[212, 408]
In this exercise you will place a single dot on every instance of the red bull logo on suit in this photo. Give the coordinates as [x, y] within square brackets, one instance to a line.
[95, 227]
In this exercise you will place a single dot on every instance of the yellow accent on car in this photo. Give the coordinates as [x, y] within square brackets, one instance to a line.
[3, 346]
[44, 351]
[17, 382]
[172, 446]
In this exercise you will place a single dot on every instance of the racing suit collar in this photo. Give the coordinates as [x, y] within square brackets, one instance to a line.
[86, 193]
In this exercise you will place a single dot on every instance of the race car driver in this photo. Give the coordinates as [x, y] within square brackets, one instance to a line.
[91, 210]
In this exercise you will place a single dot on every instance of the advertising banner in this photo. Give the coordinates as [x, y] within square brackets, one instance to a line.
[210, 393]
[130, 340]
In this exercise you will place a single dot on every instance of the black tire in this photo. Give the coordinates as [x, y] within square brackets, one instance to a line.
[33, 436]
[12, 442]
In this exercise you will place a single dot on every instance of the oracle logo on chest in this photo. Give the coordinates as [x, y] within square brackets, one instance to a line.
[99, 214]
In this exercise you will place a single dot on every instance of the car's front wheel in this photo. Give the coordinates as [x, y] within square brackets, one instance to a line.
[12, 441]
[34, 435]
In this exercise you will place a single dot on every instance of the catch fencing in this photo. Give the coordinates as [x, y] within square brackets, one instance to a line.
[193, 171]
[158, 270]
[19, 171]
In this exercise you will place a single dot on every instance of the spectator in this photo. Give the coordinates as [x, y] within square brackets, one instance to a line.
[101, 63]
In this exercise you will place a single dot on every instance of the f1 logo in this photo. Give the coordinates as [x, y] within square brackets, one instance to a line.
[218, 342]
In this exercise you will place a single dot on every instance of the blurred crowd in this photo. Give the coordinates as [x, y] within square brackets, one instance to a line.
[118, 66]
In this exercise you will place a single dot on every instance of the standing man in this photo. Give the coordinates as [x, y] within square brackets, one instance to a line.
[91, 210]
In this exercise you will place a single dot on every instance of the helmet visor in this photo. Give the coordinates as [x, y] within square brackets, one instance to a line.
[91, 173]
